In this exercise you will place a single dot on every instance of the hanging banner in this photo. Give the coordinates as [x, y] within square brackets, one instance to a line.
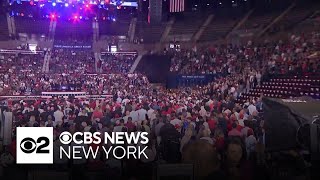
[72, 46]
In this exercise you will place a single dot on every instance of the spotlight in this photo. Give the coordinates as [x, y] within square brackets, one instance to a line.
[80, 17]
[87, 5]
[66, 4]
[54, 4]
[114, 19]
[52, 16]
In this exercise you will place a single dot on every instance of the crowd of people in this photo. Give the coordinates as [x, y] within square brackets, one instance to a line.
[251, 60]
[203, 125]
[113, 63]
[72, 61]
[18, 73]
[168, 118]
[69, 70]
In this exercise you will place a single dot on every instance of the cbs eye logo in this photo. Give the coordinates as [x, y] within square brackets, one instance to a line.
[34, 145]
[65, 138]
[29, 145]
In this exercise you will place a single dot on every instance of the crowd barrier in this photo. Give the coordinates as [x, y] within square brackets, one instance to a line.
[121, 53]
[5, 51]
[50, 95]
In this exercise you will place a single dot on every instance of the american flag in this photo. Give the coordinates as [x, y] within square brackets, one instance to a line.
[177, 5]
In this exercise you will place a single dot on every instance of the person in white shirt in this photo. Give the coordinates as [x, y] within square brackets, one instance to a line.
[125, 101]
[40, 110]
[176, 121]
[252, 108]
[50, 122]
[135, 116]
[58, 115]
[83, 112]
[202, 111]
[119, 100]
[151, 114]
[258, 76]
[142, 114]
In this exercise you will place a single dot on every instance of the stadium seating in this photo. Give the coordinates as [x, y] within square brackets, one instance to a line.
[218, 29]
[188, 25]
[287, 87]
[259, 21]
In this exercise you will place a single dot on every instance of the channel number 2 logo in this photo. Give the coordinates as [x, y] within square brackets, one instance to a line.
[34, 145]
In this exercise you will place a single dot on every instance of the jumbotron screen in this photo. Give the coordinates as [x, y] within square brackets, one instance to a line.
[130, 3]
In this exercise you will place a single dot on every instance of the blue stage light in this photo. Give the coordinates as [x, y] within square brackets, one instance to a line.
[66, 4]
[54, 4]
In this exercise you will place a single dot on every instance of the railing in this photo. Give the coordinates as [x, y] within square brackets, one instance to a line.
[50, 95]
[5, 51]
[121, 53]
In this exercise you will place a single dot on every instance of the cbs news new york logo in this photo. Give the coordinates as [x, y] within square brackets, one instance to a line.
[34, 145]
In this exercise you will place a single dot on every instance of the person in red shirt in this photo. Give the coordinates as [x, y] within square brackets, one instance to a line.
[212, 123]
[130, 125]
[93, 105]
[234, 131]
[97, 113]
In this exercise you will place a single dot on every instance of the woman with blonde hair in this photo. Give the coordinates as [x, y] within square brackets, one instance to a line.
[186, 138]
[205, 135]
